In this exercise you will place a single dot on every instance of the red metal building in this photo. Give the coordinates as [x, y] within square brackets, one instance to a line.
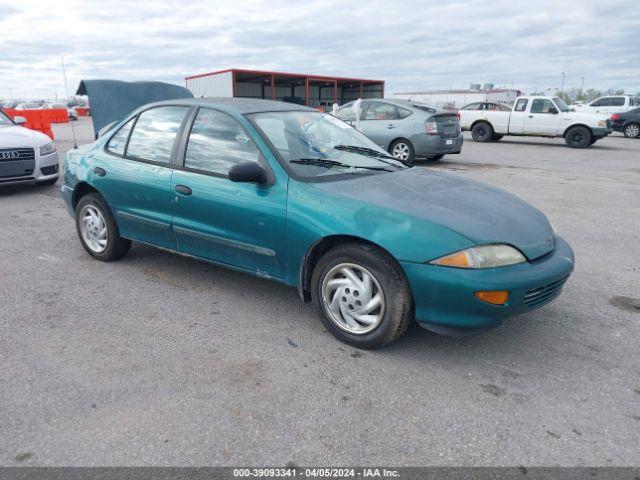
[312, 90]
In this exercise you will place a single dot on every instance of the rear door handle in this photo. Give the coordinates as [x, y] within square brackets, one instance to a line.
[101, 172]
[183, 190]
[390, 126]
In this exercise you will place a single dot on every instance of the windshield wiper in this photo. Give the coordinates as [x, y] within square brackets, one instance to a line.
[328, 163]
[369, 152]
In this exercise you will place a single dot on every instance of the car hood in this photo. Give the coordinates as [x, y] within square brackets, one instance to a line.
[480, 212]
[17, 137]
[588, 118]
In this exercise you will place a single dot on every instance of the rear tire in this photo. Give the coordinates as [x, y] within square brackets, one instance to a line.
[578, 137]
[48, 183]
[342, 300]
[98, 231]
[403, 150]
[632, 130]
[482, 132]
[435, 157]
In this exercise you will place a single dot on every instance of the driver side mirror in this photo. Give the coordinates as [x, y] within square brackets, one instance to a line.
[249, 172]
[19, 120]
[553, 110]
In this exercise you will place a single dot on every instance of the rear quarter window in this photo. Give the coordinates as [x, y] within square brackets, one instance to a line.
[118, 142]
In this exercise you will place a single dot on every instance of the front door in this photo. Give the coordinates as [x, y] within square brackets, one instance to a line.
[135, 176]
[543, 118]
[238, 224]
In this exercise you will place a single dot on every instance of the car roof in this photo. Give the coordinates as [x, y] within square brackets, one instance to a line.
[239, 105]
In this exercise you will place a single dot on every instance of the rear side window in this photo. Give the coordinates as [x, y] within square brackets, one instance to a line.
[617, 102]
[380, 111]
[119, 141]
[403, 112]
[472, 106]
[155, 132]
[217, 142]
[521, 105]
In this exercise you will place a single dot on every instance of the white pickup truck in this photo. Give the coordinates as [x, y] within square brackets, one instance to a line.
[540, 117]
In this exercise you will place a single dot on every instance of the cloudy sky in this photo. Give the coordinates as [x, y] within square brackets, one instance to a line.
[413, 45]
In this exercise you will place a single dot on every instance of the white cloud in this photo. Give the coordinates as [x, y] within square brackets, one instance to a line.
[410, 44]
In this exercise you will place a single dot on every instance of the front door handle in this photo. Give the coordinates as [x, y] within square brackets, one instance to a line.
[390, 126]
[183, 190]
[101, 172]
[530, 116]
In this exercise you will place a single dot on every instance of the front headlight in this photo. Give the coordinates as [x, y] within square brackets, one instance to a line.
[484, 256]
[602, 123]
[47, 149]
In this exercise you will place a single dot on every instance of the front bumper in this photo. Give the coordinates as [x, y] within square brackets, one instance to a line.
[426, 145]
[444, 297]
[601, 132]
[38, 169]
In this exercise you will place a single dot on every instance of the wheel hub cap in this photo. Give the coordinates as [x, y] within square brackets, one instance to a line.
[401, 151]
[353, 298]
[93, 228]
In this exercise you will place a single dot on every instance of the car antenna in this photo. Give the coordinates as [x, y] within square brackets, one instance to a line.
[66, 87]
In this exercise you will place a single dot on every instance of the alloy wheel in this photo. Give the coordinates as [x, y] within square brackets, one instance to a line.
[632, 131]
[353, 298]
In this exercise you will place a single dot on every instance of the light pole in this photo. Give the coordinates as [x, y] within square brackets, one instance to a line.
[581, 84]
[10, 94]
[562, 84]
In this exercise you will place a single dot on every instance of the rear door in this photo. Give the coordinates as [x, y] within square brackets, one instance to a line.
[380, 122]
[135, 175]
[518, 116]
[238, 224]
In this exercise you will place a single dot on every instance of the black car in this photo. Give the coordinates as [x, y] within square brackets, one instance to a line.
[627, 123]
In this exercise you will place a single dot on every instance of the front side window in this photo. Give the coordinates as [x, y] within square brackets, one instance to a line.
[380, 111]
[617, 101]
[217, 142]
[346, 113]
[155, 132]
[119, 141]
[562, 106]
[314, 144]
[521, 105]
[542, 105]
[4, 119]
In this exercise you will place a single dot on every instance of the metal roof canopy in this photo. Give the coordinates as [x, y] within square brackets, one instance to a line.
[314, 90]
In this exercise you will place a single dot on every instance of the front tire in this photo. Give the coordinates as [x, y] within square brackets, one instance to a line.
[47, 183]
[482, 132]
[361, 295]
[578, 137]
[403, 150]
[632, 130]
[98, 231]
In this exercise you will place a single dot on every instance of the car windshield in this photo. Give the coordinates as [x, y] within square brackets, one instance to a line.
[314, 144]
[561, 105]
[4, 120]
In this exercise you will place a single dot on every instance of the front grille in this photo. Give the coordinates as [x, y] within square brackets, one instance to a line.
[49, 170]
[16, 154]
[608, 123]
[544, 294]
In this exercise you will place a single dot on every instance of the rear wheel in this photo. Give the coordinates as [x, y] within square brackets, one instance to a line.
[98, 230]
[435, 157]
[482, 132]
[361, 295]
[578, 137]
[48, 183]
[403, 150]
[632, 130]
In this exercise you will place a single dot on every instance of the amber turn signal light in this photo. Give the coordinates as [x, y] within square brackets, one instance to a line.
[494, 297]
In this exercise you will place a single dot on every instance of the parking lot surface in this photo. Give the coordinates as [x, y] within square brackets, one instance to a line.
[160, 359]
